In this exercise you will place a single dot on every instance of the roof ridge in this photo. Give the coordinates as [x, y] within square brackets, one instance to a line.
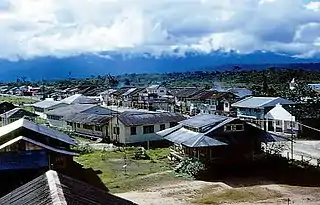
[198, 140]
[240, 101]
[269, 100]
[56, 194]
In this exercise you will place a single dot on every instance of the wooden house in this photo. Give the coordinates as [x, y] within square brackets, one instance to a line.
[89, 125]
[6, 106]
[27, 145]
[58, 117]
[214, 138]
[212, 102]
[137, 127]
[181, 96]
[40, 108]
[16, 114]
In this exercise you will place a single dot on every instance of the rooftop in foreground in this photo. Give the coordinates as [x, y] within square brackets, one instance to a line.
[52, 188]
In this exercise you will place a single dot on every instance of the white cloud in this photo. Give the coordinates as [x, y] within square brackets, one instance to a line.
[32, 28]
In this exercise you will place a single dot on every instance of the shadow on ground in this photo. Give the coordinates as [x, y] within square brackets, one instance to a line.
[87, 175]
[273, 170]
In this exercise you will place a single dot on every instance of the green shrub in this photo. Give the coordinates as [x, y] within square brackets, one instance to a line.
[190, 167]
[83, 149]
[141, 154]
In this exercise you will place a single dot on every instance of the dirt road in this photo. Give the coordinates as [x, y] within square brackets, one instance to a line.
[182, 193]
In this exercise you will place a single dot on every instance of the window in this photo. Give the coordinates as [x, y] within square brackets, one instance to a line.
[116, 130]
[78, 125]
[227, 128]
[133, 130]
[226, 104]
[291, 124]
[277, 122]
[148, 129]
[53, 117]
[162, 127]
[239, 127]
[233, 128]
[98, 128]
[172, 124]
[88, 127]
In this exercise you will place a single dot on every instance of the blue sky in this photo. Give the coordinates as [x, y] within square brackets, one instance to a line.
[35, 28]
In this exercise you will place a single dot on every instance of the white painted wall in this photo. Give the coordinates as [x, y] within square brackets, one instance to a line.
[125, 133]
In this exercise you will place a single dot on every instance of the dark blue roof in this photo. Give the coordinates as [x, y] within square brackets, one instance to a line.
[203, 120]
[241, 92]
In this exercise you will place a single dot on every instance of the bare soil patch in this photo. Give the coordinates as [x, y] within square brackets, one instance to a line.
[200, 192]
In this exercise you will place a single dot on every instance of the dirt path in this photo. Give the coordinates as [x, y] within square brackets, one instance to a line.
[168, 194]
[181, 193]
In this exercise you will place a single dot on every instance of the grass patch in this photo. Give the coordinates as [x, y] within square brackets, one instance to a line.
[17, 100]
[117, 178]
[210, 195]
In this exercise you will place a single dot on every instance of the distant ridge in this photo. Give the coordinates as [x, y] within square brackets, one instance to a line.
[85, 65]
[303, 66]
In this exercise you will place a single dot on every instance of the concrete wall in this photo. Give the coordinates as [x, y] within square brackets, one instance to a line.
[125, 133]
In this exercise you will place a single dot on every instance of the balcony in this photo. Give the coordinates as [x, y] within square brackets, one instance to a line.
[23, 160]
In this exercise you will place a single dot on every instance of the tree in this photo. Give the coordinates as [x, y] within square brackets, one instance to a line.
[301, 93]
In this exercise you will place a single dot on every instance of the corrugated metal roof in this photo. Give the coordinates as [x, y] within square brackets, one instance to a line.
[109, 91]
[203, 141]
[153, 87]
[128, 92]
[52, 188]
[226, 121]
[46, 104]
[181, 135]
[70, 109]
[241, 92]
[203, 120]
[89, 119]
[185, 136]
[10, 142]
[185, 92]
[190, 138]
[79, 99]
[17, 113]
[135, 119]
[169, 130]
[41, 129]
[274, 137]
[261, 102]
[207, 94]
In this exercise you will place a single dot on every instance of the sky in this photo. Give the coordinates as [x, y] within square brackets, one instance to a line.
[36, 28]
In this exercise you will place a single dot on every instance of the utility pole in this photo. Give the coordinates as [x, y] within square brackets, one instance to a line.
[292, 132]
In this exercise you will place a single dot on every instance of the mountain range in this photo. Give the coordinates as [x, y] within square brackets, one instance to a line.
[85, 65]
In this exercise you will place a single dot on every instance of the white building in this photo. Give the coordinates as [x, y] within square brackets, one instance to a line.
[157, 89]
[292, 84]
[315, 87]
[46, 105]
[137, 127]
[280, 120]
